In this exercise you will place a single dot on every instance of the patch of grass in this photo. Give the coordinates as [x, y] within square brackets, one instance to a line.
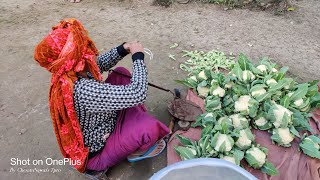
[279, 6]
[230, 3]
[263, 4]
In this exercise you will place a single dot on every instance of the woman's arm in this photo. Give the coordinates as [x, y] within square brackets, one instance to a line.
[111, 58]
[101, 97]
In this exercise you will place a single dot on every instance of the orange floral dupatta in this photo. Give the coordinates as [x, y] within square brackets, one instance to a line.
[64, 52]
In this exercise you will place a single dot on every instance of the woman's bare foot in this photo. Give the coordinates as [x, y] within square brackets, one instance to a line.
[74, 1]
[160, 145]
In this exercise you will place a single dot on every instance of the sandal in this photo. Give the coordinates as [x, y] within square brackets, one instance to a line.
[146, 155]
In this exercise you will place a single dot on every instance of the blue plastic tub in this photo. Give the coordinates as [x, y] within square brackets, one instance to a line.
[203, 169]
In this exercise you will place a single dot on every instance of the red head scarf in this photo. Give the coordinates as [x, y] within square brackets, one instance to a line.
[65, 51]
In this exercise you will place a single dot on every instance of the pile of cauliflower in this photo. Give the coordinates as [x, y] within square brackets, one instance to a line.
[250, 96]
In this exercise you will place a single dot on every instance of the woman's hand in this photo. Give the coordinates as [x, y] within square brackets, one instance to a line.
[133, 47]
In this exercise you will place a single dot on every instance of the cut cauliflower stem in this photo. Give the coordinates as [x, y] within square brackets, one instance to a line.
[210, 150]
[224, 139]
[298, 102]
[203, 91]
[230, 159]
[262, 68]
[228, 85]
[194, 152]
[242, 104]
[194, 78]
[271, 81]
[213, 81]
[239, 121]
[208, 115]
[279, 113]
[245, 139]
[274, 70]
[282, 136]
[218, 92]
[248, 75]
[287, 86]
[255, 157]
[258, 92]
[202, 75]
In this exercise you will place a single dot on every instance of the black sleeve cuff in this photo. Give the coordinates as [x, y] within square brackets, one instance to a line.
[137, 55]
[122, 51]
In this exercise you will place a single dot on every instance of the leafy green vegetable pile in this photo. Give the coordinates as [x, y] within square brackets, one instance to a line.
[212, 60]
[249, 96]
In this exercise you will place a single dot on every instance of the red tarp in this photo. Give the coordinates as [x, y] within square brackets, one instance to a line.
[291, 163]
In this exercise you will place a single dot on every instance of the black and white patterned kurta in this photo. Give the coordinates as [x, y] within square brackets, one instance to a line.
[97, 104]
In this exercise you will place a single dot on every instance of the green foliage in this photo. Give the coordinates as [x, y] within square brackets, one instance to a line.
[241, 3]
[269, 169]
[250, 96]
[310, 146]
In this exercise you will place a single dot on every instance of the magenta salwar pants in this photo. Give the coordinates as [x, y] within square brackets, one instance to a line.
[135, 130]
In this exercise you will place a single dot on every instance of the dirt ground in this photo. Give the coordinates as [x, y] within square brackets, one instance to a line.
[26, 131]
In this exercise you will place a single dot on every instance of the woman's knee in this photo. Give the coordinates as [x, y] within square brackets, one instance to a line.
[149, 128]
[121, 76]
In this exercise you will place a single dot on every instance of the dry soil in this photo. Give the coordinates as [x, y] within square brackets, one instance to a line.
[26, 131]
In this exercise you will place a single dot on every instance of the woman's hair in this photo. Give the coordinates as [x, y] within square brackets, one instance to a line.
[66, 50]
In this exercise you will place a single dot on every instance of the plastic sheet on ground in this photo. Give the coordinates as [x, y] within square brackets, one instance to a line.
[291, 163]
